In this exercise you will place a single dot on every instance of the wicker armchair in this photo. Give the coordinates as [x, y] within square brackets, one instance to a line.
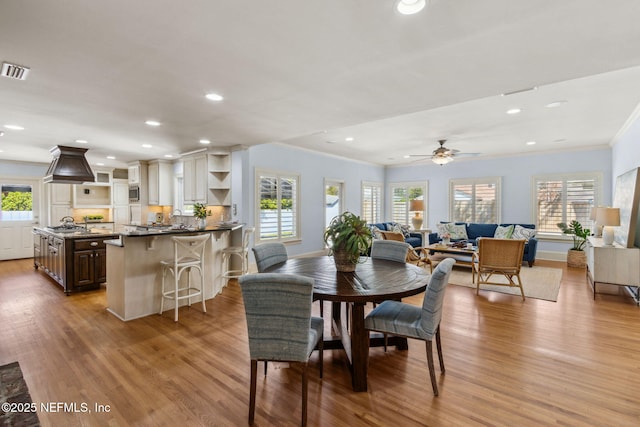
[498, 256]
[413, 256]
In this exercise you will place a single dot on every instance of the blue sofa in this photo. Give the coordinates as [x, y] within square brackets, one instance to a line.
[414, 239]
[475, 230]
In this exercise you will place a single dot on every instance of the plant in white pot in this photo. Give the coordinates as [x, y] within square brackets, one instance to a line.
[348, 236]
[201, 212]
[576, 257]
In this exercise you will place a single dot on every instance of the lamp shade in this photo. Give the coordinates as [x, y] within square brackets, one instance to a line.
[608, 216]
[416, 205]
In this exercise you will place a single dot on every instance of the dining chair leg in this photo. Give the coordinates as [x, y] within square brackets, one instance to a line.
[304, 394]
[432, 372]
[322, 308]
[265, 368]
[252, 392]
[439, 348]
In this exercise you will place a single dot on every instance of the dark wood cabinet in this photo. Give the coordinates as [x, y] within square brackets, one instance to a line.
[89, 262]
[77, 264]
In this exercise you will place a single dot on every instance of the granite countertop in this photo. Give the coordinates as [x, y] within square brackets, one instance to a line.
[142, 231]
[78, 234]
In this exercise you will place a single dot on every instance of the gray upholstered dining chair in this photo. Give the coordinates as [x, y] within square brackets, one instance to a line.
[280, 326]
[268, 254]
[422, 323]
[390, 250]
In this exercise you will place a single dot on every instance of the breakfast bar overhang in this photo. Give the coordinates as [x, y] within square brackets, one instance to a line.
[134, 273]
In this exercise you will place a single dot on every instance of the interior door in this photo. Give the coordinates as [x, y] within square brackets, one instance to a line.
[19, 214]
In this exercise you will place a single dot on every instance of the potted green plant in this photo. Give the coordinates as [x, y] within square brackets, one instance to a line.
[201, 212]
[348, 236]
[576, 257]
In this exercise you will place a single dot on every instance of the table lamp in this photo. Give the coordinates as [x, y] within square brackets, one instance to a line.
[416, 206]
[608, 218]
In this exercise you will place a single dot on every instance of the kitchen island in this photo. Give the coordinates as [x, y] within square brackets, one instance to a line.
[73, 258]
[134, 274]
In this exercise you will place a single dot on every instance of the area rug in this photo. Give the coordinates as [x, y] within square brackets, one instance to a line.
[15, 398]
[537, 282]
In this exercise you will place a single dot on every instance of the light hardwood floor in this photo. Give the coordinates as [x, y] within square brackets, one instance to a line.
[509, 363]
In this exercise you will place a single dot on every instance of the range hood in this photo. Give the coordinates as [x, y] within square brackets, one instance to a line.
[69, 166]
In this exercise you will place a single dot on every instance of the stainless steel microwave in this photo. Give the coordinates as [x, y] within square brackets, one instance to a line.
[134, 193]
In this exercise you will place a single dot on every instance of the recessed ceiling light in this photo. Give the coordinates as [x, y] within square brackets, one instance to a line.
[205, 141]
[214, 97]
[152, 123]
[409, 7]
[99, 164]
[168, 155]
[513, 111]
[81, 141]
[531, 143]
[147, 146]
[14, 127]
[555, 104]
[111, 157]
[406, 156]
[349, 139]
[1, 133]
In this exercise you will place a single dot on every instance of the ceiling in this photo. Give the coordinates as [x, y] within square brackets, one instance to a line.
[312, 74]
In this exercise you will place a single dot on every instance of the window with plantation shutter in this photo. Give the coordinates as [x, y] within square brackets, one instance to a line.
[475, 200]
[371, 202]
[564, 198]
[277, 202]
[402, 196]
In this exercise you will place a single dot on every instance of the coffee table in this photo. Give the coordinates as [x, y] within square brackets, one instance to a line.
[463, 256]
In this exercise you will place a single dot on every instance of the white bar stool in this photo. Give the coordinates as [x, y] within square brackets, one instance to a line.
[188, 253]
[240, 251]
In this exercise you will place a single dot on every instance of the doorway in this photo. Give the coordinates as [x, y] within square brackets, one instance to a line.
[19, 213]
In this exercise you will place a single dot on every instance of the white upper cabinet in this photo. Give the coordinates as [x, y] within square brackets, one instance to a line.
[134, 173]
[160, 183]
[195, 179]
[207, 178]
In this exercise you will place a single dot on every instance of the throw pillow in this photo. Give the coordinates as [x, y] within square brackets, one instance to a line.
[376, 232]
[395, 227]
[405, 230]
[442, 228]
[521, 232]
[458, 231]
[503, 232]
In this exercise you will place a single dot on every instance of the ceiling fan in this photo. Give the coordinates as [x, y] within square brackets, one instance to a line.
[443, 155]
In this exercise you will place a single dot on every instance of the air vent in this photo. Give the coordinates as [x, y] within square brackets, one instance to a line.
[14, 71]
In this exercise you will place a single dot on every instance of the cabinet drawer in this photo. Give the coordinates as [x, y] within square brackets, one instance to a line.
[87, 244]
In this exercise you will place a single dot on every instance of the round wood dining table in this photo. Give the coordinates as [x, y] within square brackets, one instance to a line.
[375, 280]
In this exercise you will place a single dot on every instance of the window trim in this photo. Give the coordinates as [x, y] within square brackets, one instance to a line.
[278, 174]
[378, 185]
[598, 189]
[425, 197]
[495, 180]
